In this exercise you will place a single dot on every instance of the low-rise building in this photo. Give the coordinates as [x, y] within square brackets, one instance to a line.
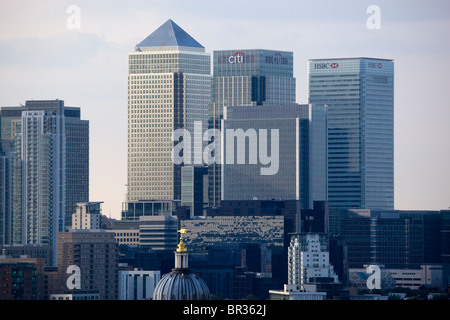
[294, 292]
[428, 275]
[138, 284]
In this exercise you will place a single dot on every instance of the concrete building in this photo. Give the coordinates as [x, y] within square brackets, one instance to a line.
[88, 215]
[95, 253]
[309, 258]
[126, 232]
[138, 284]
[426, 275]
[18, 281]
[85, 296]
[293, 292]
[358, 278]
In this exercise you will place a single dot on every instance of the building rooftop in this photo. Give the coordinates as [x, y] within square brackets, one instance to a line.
[169, 35]
[350, 58]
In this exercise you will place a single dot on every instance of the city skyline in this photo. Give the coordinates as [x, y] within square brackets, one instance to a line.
[87, 68]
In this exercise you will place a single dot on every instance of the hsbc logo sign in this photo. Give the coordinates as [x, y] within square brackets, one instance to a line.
[333, 65]
[374, 65]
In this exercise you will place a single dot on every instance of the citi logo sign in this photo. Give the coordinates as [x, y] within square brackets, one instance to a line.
[333, 65]
[238, 57]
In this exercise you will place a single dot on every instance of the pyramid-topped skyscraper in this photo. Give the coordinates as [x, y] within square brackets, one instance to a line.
[169, 88]
[169, 35]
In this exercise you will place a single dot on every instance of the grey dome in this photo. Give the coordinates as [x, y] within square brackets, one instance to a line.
[181, 285]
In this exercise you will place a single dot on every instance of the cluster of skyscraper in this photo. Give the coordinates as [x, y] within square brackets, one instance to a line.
[255, 165]
[336, 148]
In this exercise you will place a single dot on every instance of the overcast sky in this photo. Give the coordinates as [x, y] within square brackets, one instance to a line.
[43, 57]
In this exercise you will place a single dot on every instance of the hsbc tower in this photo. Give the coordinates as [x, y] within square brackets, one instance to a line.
[359, 93]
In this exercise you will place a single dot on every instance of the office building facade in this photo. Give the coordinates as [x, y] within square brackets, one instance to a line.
[169, 88]
[275, 152]
[138, 284]
[18, 281]
[6, 161]
[158, 232]
[223, 231]
[393, 238]
[88, 215]
[133, 210]
[247, 77]
[194, 189]
[359, 94]
[95, 253]
[309, 258]
[74, 141]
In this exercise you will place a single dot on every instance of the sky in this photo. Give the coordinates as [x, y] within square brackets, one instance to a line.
[77, 51]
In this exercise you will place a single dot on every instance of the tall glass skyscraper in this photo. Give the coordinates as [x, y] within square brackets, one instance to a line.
[169, 88]
[277, 152]
[359, 93]
[247, 77]
[49, 169]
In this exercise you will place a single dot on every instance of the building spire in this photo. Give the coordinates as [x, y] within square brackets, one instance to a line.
[181, 255]
[181, 245]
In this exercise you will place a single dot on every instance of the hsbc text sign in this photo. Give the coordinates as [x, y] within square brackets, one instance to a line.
[335, 65]
[276, 59]
[374, 65]
[332, 65]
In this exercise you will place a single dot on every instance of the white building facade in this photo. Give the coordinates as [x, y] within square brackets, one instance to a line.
[308, 258]
[137, 284]
[88, 215]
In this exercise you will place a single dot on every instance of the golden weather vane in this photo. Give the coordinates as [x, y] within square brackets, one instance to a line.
[181, 245]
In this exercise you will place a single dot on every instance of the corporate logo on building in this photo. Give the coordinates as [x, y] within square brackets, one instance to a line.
[238, 57]
[332, 65]
[374, 65]
[277, 58]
